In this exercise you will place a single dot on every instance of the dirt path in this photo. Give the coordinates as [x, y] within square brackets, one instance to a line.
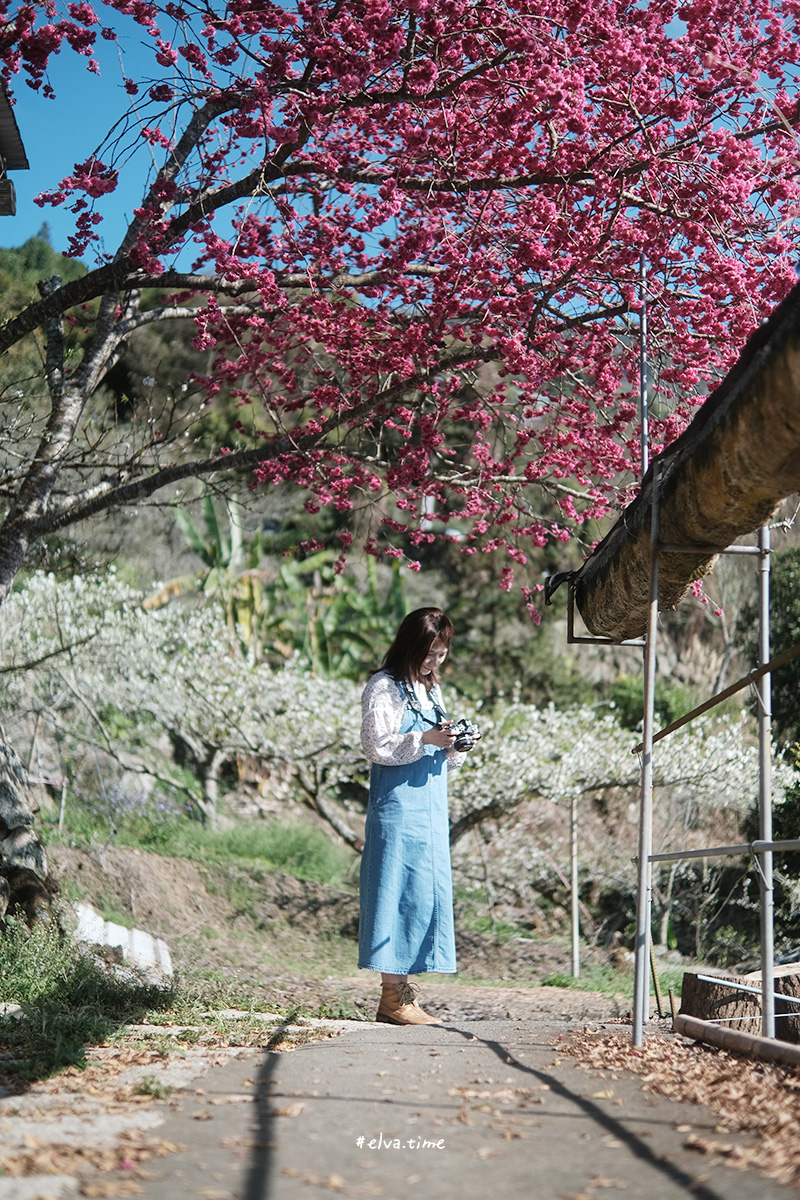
[501, 1100]
[278, 936]
[455, 1001]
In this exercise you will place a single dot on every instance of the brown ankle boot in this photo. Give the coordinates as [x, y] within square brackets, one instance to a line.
[398, 1006]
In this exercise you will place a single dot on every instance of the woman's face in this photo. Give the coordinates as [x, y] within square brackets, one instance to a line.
[434, 658]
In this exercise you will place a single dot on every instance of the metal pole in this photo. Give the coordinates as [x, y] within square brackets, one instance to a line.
[756, 847]
[576, 926]
[764, 859]
[641, 1002]
[643, 398]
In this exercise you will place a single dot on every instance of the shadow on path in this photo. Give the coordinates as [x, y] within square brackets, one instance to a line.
[258, 1181]
[595, 1113]
[353, 1113]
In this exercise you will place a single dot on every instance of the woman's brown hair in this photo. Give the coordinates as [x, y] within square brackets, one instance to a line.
[412, 642]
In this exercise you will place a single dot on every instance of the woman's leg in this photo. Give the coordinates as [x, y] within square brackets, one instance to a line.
[397, 979]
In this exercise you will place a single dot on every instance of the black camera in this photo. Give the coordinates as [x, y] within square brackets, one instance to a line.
[467, 734]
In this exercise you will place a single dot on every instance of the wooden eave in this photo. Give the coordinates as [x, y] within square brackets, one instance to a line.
[11, 148]
[721, 479]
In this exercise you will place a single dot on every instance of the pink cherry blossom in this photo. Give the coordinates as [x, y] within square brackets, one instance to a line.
[416, 229]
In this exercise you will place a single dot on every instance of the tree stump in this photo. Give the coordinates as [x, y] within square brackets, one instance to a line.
[718, 1001]
[787, 1015]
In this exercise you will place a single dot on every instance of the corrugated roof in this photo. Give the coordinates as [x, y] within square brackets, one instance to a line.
[11, 147]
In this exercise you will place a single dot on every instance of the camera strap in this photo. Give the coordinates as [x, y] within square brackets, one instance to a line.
[416, 707]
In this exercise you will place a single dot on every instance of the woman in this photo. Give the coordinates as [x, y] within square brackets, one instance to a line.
[406, 924]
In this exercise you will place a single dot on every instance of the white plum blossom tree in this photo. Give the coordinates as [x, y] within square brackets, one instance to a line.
[78, 651]
[534, 762]
[89, 669]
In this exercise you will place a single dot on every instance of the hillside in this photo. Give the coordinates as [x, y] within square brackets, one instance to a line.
[252, 937]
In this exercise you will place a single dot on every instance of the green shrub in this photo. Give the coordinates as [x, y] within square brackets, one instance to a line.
[671, 700]
[69, 1000]
[559, 979]
[34, 964]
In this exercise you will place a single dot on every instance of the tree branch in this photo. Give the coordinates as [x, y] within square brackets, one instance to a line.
[116, 492]
[492, 811]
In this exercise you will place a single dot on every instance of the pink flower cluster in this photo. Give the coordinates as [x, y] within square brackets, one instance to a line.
[425, 224]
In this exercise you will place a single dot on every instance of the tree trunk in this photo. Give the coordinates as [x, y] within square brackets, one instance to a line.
[23, 863]
[210, 768]
[338, 823]
[33, 496]
[666, 912]
[718, 1001]
[314, 788]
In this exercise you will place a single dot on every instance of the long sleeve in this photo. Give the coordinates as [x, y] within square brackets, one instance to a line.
[381, 717]
[455, 759]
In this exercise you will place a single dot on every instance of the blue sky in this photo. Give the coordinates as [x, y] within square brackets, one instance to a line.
[58, 133]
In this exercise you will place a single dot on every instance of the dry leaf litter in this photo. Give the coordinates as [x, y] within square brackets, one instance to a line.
[758, 1098]
[97, 1125]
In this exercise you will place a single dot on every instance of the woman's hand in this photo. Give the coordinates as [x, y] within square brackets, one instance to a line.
[442, 736]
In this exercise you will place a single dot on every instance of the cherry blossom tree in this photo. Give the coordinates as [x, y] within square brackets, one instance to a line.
[410, 238]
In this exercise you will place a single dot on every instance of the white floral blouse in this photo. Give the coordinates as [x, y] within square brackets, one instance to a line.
[382, 706]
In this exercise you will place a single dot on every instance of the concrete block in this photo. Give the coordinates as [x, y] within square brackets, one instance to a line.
[163, 956]
[118, 936]
[139, 949]
[142, 948]
[91, 926]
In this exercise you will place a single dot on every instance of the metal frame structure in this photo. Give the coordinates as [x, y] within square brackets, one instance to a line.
[573, 639]
[764, 847]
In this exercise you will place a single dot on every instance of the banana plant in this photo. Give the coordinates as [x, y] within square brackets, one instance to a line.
[220, 552]
[330, 621]
[334, 623]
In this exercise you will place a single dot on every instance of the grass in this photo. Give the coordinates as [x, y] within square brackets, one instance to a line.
[68, 1000]
[299, 850]
[150, 1086]
[111, 911]
[473, 914]
[610, 981]
[593, 978]
[295, 849]
[342, 1010]
[501, 931]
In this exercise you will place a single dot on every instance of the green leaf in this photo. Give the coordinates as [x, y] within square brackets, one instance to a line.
[218, 543]
[191, 536]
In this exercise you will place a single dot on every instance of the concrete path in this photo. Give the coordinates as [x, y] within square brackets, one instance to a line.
[477, 1109]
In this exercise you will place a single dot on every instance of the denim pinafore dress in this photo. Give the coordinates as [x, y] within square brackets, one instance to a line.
[406, 921]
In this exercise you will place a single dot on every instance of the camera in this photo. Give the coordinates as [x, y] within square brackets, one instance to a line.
[467, 734]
